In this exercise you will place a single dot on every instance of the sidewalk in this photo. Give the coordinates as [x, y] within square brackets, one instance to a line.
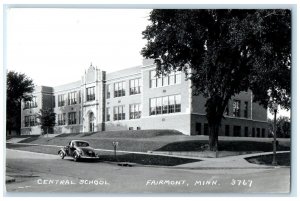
[231, 162]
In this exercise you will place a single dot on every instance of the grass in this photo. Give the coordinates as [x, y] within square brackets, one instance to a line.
[143, 159]
[126, 134]
[283, 159]
[159, 140]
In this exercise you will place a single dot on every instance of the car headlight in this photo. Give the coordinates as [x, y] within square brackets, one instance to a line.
[80, 152]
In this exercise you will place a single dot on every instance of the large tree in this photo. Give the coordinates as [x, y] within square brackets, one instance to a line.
[224, 52]
[19, 87]
[46, 119]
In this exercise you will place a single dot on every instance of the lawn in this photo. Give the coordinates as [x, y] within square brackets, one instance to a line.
[160, 140]
[283, 159]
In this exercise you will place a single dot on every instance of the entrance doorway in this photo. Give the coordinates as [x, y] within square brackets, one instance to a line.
[91, 122]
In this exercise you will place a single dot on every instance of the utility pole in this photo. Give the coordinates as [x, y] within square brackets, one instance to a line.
[274, 162]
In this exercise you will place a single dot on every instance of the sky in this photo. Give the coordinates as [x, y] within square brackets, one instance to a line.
[55, 46]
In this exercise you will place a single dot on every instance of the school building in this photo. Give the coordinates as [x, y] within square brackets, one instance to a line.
[134, 99]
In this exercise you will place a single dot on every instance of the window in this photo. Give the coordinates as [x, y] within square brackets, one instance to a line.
[172, 78]
[246, 110]
[159, 105]
[165, 102]
[119, 112]
[90, 94]
[153, 106]
[32, 120]
[61, 119]
[177, 77]
[236, 131]
[253, 132]
[205, 129]
[72, 98]
[152, 79]
[107, 114]
[165, 105]
[30, 104]
[258, 132]
[263, 134]
[236, 108]
[177, 103]
[135, 86]
[61, 100]
[119, 89]
[72, 118]
[134, 111]
[79, 96]
[198, 128]
[227, 130]
[79, 117]
[246, 132]
[53, 101]
[27, 121]
[108, 91]
[171, 104]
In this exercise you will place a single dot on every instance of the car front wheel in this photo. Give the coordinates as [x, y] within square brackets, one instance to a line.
[62, 155]
[76, 157]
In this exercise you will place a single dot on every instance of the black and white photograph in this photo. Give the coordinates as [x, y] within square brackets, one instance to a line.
[148, 100]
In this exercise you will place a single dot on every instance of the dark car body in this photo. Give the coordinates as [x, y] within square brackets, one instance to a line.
[78, 149]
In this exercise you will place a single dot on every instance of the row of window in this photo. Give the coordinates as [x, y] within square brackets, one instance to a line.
[164, 80]
[256, 132]
[135, 112]
[61, 118]
[71, 99]
[135, 86]
[165, 105]
[30, 121]
[30, 104]
[236, 109]
[119, 89]
[159, 105]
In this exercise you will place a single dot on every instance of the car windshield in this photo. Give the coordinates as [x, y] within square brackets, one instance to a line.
[82, 144]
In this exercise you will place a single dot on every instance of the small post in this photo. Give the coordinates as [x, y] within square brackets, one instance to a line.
[115, 144]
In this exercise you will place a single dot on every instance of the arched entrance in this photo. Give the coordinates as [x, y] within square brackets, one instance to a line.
[91, 122]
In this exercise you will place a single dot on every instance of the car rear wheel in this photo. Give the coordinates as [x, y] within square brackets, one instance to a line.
[62, 155]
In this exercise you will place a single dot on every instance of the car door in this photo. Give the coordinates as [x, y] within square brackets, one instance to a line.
[72, 148]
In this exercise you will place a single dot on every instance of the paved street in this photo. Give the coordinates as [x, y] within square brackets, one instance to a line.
[35, 172]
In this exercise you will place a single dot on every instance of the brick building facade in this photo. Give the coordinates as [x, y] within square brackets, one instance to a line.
[133, 99]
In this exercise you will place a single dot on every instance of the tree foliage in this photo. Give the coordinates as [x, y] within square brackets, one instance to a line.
[224, 52]
[46, 118]
[283, 127]
[19, 87]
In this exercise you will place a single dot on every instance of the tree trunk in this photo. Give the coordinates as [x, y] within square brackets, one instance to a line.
[213, 137]
[215, 107]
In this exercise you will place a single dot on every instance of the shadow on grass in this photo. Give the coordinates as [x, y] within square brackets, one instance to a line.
[83, 160]
[237, 146]
[30, 139]
[283, 159]
[148, 159]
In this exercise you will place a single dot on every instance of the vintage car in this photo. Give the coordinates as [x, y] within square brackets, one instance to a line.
[78, 149]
